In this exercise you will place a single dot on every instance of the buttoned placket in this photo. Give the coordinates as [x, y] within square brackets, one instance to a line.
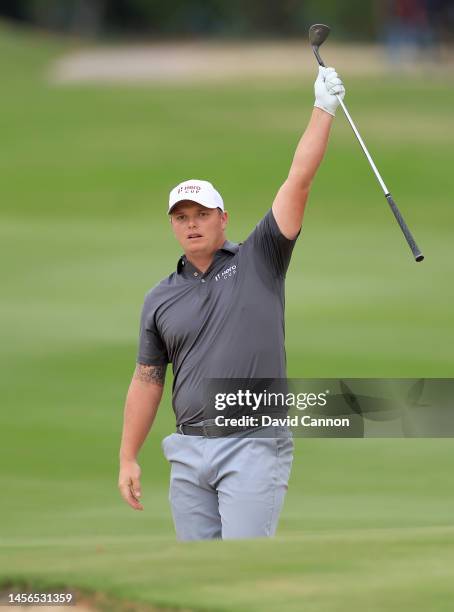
[203, 276]
[200, 276]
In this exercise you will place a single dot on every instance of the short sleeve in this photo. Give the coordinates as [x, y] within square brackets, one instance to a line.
[267, 241]
[151, 350]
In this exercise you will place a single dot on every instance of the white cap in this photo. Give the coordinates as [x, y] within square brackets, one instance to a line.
[201, 192]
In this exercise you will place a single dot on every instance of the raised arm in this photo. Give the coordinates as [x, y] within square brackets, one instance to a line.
[142, 402]
[289, 203]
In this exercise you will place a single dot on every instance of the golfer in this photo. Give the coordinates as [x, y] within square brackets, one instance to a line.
[220, 314]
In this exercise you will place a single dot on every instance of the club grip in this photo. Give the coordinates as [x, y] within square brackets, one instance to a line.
[403, 226]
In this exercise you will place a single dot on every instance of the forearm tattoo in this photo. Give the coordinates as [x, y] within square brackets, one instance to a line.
[151, 373]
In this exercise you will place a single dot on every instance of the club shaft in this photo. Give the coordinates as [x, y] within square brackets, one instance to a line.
[396, 212]
[417, 253]
[363, 147]
[355, 130]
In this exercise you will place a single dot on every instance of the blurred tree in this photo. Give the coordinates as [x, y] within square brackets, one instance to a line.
[85, 17]
[351, 19]
[15, 9]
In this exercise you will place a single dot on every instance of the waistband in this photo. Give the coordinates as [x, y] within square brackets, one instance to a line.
[209, 429]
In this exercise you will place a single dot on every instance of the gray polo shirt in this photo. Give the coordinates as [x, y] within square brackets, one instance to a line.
[225, 323]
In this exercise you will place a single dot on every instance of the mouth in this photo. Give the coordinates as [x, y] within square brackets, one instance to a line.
[194, 236]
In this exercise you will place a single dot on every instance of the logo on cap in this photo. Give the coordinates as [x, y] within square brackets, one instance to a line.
[189, 189]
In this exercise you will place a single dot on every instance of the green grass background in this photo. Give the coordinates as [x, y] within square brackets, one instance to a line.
[85, 173]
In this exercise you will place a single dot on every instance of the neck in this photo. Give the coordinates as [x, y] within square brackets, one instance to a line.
[202, 261]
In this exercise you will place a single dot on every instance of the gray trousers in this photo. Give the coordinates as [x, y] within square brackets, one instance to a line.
[229, 487]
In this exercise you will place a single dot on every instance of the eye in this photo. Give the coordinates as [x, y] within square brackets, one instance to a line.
[203, 213]
[179, 218]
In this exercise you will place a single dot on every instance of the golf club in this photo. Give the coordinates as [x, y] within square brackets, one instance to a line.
[318, 33]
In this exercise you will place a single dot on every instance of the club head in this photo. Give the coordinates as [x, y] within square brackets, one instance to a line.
[318, 33]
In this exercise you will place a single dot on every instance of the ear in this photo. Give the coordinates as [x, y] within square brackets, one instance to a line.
[224, 219]
[172, 226]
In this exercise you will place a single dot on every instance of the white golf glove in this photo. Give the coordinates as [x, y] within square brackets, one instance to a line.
[327, 85]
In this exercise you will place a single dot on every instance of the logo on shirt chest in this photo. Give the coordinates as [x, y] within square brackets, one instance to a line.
[226, 274]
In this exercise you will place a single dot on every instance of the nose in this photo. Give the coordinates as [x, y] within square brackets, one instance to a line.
[192, 222]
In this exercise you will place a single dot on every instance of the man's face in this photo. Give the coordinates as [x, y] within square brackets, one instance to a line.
[198, 229]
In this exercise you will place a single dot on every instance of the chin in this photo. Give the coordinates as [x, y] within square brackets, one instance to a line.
[196, 247]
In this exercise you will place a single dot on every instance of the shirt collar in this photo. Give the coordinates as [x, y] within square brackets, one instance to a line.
[228, 247]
